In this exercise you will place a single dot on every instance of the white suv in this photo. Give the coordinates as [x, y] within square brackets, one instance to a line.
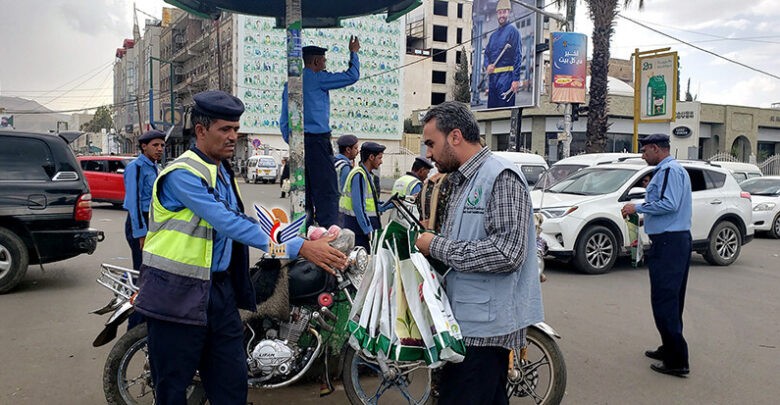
[583, 221]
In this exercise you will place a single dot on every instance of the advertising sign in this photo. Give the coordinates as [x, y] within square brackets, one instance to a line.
[684, 130]
[6, 121]
[569, 67]
[504, 65]
[656, 79]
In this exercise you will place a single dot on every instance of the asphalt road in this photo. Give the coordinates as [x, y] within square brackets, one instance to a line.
[732, 323]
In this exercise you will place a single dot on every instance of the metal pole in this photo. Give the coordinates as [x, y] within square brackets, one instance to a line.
[637, 94]
[219, 54]
[295, 110]
[151, 92]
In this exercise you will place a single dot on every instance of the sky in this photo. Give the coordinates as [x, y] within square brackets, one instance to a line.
[61, 52]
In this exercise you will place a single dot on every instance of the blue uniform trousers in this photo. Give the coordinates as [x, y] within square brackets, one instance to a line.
[361, 239]
[669, 259]
[135, 249]
[322, 190]
[499, 83]
[176, 350]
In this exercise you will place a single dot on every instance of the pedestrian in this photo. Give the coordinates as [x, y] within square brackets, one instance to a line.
[348, 151]
[410, 183]
[195, 272]
[359, 205]
[284, 179]
[322, 193]
[489, 243]
[503, 59]
[667, 218]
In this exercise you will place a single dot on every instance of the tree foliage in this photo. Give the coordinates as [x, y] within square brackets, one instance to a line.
[102, 119]
[462, 90]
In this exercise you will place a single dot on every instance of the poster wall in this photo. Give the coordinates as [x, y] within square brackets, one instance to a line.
[503, 71]
[369, 109]
[657, 87]
[569, 67]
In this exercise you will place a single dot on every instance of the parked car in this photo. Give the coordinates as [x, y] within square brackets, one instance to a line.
[564, 167]
[583, 220]
[531, 165]
[261, 168]
[765, 192]
[45, 204]
[105, 175]
[740, 171]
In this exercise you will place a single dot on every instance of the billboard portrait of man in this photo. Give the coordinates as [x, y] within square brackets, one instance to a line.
[504, 62]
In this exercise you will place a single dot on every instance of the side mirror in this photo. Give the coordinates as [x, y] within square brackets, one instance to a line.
[636, 193]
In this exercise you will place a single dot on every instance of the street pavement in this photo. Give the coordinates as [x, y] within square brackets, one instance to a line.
[732, 325]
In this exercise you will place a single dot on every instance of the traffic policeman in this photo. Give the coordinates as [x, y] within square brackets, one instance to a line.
[359, 206]
[195, 271]
[322, 191]
[348, 150]
[503, 59]
[410, 184]
[667, 216]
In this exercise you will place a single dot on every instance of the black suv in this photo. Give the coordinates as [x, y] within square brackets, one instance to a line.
[45, 205]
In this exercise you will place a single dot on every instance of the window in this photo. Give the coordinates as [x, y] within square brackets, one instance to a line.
[93, 165]
[440, 33]
[25, 159]
[459, 35]
[698, 182]
[457, 57]
[714, 179]
[437, 98]
[114, 166]
[531, 173]
[439, 7]
[439, 55]
[460, 10]
[439, 77]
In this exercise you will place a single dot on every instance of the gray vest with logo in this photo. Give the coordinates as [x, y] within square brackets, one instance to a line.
[492, 304]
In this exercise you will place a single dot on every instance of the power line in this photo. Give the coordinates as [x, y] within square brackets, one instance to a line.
[707, 33]
[745, 39]
[700, 48]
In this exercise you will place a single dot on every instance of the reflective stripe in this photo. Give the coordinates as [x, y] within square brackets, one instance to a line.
[348, 211]
[190, 227]
[346, 203]
[174, 267]
[202, 169]
[503, 69]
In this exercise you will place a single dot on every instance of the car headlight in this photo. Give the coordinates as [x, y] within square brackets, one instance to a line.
[767, 206]
[558, 212]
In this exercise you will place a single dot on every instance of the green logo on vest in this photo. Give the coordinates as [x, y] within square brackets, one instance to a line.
[475, 196]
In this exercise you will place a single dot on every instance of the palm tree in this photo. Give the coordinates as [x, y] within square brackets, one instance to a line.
[602, 13]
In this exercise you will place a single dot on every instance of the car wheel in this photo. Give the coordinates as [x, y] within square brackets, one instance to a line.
[725, 244]
[13, 260]
[596, 250]
[775, 231]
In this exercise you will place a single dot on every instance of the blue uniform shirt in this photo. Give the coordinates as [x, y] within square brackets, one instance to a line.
[667, 209]
[316, 98]
[513, 56]
[180, 188]
[358, 188]
[139, 180]
[344, 172]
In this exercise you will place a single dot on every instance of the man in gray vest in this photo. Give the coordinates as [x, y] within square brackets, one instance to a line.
[488, 241]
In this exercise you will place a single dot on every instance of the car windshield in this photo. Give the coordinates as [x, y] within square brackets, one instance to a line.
[555, 174]
[593, 181]
[761, 186]
[531, 173]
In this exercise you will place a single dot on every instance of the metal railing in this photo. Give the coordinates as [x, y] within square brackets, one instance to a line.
[770, 166]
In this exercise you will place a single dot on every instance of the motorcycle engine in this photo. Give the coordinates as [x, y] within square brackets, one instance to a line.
[272, 357]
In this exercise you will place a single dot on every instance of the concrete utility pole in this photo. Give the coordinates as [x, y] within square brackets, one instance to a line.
[294, 25]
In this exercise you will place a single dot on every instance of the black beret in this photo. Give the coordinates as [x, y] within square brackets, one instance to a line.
[312, 50]
[372, 147]
[424, 162]
[347, 140]
[151, 135]
[654, 138]
[218, 105]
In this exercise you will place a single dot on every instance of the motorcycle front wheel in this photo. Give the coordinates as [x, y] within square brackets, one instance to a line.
[364, 382]
[127, 379]
[539, 376]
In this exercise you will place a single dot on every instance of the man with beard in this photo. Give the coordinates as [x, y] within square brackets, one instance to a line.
[503, 59]
[488, 241]
[195, 271]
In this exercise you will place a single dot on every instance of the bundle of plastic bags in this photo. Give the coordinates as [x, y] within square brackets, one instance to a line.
[401, 311]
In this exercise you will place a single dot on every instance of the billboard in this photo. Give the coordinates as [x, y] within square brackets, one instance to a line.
[656, 86]
[504, 73]
[569, 67]
[369, 109]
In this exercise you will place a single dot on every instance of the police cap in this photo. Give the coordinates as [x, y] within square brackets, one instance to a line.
[312, 50]
[423, 162]
[218, 105]
[151, 135]
[347, 140]
[658, 139]
[372, 147]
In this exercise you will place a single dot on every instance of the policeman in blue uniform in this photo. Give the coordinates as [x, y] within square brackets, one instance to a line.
[667, 216]
[195, 273]
[322, 193]
[503, 59]
[348, 151]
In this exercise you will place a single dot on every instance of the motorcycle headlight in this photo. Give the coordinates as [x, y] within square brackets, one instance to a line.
[767, 206]
[558, 212]
[358, 258]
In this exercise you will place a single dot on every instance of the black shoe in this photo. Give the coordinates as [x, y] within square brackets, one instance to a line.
[663, 369]
[654, 354]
